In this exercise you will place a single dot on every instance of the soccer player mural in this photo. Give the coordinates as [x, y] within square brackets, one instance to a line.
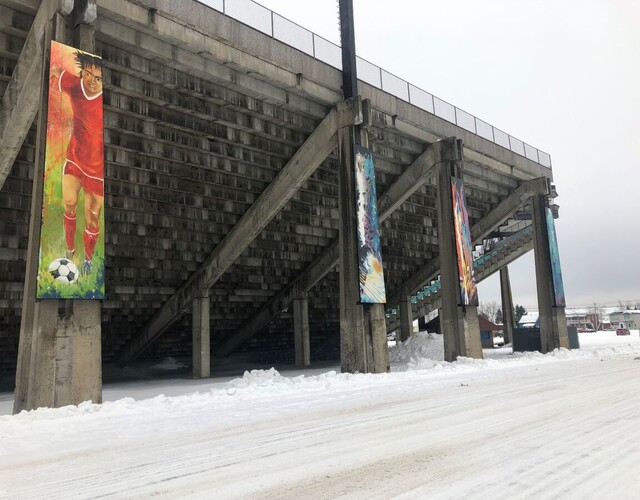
[72, 264]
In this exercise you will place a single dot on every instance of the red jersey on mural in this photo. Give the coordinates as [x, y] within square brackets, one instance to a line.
[72, 260]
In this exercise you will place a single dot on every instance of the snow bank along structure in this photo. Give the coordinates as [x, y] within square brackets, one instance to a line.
[223, 191]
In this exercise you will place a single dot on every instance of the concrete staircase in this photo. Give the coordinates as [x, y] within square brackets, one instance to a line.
[507, 249]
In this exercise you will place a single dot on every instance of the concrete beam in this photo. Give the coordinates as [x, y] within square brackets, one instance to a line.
[509, 206]
[208, 53]
[414, 176]
[21, 99]
[28, 6]
[414, 122]
[288, 181]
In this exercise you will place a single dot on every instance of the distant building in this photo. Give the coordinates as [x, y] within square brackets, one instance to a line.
[625, 319]
[584, 321]
[529, 320]
[490, 333]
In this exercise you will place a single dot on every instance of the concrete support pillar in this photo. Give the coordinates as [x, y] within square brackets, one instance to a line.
[375, 324]
[363, 333]
[553, 322]
[37, 341]
[59, 358]
[459, 324]
[78, 358]
[41, 379]
[353, 353]
[201, 331]
[376, 328]
[406, 320]
[301, 330]
[64, 367]
[508, 318]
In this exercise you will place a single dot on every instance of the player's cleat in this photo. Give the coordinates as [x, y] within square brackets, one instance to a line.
[87, 266]
[70, 254]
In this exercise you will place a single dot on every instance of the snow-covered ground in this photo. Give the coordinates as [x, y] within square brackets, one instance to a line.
[562, 425]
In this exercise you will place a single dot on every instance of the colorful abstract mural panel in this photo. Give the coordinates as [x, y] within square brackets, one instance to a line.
[372, 288]
[466, 274]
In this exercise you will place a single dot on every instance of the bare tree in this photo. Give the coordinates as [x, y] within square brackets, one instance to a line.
[595, 315]
[624, 306]
[489, 310]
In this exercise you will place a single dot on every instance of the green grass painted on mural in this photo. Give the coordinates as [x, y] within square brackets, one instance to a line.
[52, 246]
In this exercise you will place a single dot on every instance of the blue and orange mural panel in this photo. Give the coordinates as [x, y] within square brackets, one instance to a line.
[71, 261]
[372, 288]
[466, 273]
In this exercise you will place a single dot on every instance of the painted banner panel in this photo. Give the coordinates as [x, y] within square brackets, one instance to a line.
[556, 272]
[466, 273]
[372, 290]
[71, 264]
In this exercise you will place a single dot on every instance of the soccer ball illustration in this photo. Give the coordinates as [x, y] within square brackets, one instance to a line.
[64, 271]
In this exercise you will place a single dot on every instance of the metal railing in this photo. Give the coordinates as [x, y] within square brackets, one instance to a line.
[280, 28]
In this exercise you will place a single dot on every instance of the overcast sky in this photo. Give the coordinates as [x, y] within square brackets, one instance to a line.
[561, 75]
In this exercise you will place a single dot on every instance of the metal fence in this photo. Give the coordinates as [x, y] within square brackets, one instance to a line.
[280, 28]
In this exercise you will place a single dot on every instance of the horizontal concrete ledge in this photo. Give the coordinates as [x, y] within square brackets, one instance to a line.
[191, 25]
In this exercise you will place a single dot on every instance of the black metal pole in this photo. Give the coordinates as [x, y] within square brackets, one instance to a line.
[348, 39]
[347, 36]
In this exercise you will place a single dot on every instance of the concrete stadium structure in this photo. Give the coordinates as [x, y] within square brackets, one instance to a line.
[223, 197]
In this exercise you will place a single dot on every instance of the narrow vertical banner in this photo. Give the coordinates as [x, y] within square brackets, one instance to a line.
[466, 274]
[71, 264]
[556, 272]
[372, 290]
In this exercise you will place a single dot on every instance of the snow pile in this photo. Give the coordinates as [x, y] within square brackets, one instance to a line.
[422, 355]
[255, 382]
[422, 350]
[169, 364]
[425, 351]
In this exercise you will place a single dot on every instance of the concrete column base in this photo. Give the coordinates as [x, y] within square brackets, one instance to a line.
[472, 346]
[380, 349]
[66, 356]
